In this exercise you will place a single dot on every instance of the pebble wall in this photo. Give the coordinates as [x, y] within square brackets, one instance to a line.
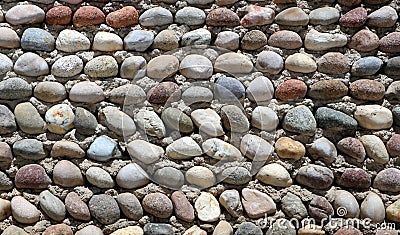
[199, 117]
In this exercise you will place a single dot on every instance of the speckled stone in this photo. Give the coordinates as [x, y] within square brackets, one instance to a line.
[390, 43]
[130, 206]
[190, 16]
[257, 204]
[182, 207]
[157, 229]
[164, 92]
[352, 147]
[373, 117]
[366, 89]
[222, 17]
[285, 39]
[196, 37]
[9, 38]
[50, 91]
[248, 228]
[293, 16]
[65, 148]
[315, 176]
[150, 123]
[236, 175]
[300, 120]
[25, 14]
[388, 180]
[7, 120]
[253, 40]
[76, 207]
[270, 62]
[58, 229]
[60, 118]
[354, 18]
[349, 3]
[320, 208]
[23, 211]
[67, 174]
[364, 41]
[72, 41]
[317, 41]
[158, 205]
[104, 208]
[169, 177]
[223, 228]
[35, 39]
[67, 66]
[333, 63]
[156, 16]
[230, 200]
[257, 15]
[101, 67]
[392, 211]
[138, 40]
[14, 230]
[5, 182]
[328, 90]
[88, 16]
[103, 149]
[291, 89]
[393, 145]
[354, 178]
[123, 17]
[293, 206]
[385, 16]
[234, 119]
[99, 177]
[166, 40]
[369, 65]
[31, 64]
[29, 119]
[32, 176]
[328, 118]
[59, 15]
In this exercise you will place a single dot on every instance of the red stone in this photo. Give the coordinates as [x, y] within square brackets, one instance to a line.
[354, 178]
[222, 17]
[333, 63]
[285, 39]
[163, 92]
[292, 89]
[124, 17]
[87, 16]
[328, 90]
[352, 147]
[390, 43]
[354, 18]
[183, 209]
[364, 40]
[32, 176]
[393, 145]
[76, 207]
[60, 15]
[366, 89]
[58, 229]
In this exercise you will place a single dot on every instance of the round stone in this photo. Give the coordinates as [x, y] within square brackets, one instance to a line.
[208, 122]
[366, 89]
[291, 89]
[385, 16]
[257, 204]
[196, 67]
[50, 91]
[138, 40]
[230, 200]
[333, 63]
[248, 228]
[25, 14]
[196, 37]
[373, 117]
[288, 148]
[88, 16]
[393, 146]
[9, 38]
[103, 149]
[32, 176]
[5, 153]
[166, 40]
[130, 206]
[7, 120]
[183, 148]
[153, 228]
[207, 207]
[236, 175]
[5, 209]
[234, 119]
[344, 199]
[31, 64]
[65, 148]
[133, 67]
[35, 39]
[162, 67]
[158, 205]
[6, 64]
[23, 211]
[320, 208]
[253, 40]
[264, 118]
[104, 208]
[117, 121]
[156, 16]
[328, 90]
[334, 120]
[222, 17]
[132, 176]
[175, 119]
[270, 62]
[366, 66]
[128, 94]
[392, 66]
[285, 39]
[59, 15]
[72, 41]
[29, 149]
[182, 207]
[150, 123]
[67, 66]
[375, 148]
[52, 205]
[233, 63]
[388, 180]
[67, 174]
[61, 229]
[373, 208]
[390, 43]
[300, 120]
[99, 177]
[123, 17]
[364, 41]
[102, 67]
[323, 149]
[190, 16]
[90, 229]
[324, 16]
[228, 40]
[29, 119]
[315, 176]
[164, 92]
[392, 211]
[60, 118]
[85, 122]
[354, 18]
[197, 94]
[354, 178]
[169, 177]
[293, 206]
[76, 207]
[293, 16]
[274, 174]
[256, 148]
[300, 63]
[257, 15]
[229, 88]
[200, 177]
[104, 41]
[144, 151]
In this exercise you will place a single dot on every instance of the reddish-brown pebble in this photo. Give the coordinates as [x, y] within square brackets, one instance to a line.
[354, 178]
[390, 43]
[58, 229]
[163, 92]
[320, 208]
[393, 145]
[348, 231]
[364, 40]
[87, 16]
[292, 89]
[285, 39]
[328, 90]
[333, 63]
[124, 17]
[158, 205]
[349, 3]
[76, 207]
[352, 147]
[388, 180]
[222, 17]
[366, 89]
[32, 176]
[60, 15]
[182, 207]
[354, 18]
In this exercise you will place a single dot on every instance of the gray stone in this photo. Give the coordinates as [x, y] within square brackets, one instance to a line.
[132, 176]
[144, 151]
[52, 206]
[197, 94]
[130, 206]
[344, 199]
[5, 182]
[177, 120]
[256, 148]
[200, 177]
[138, 40]
[128, 94]
[190, 16]
[375, 148]
[260, 90]
[90, 229]
[385, 16]
[7, 120]
[229, 89]
[15, 88]
[270, 62]
[99, 177]
[367, 66]
[67, 174]
[25, 14]
[72, 41]
[264, 118]
[101, 67]
[31, 64]
[105, 41]
[117, 121]
[328, 118]
[248, 228]
[104, 208]
[29, 149]
[196, 67]
[86, 92]
[233, 63]
[293, 16]
[14, 230]
[85, 122]
[133, 67]
[228, 40]
[196, 37]
[324, 16]
[183, 148]
[166, 40]
[29, 119]
[5, 152]
[65, 148]
[234, 119]
[236, 175]
[50, 91]
[23, 211]
[207, 207]
[219, 149]
[300, 120]
[150, 123]
[300, 63]
[67, 66]
[388, 180]
[316, 41]
[157, 229]
[323, 149]
[36, 39]
[293, 206]
[373, 208]
[230, 200]
[169, 177]
[76, 207]
[156, 16]
[281, 227]
[274, 174]
[103, 149]
[320, 208]
[6, 63]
